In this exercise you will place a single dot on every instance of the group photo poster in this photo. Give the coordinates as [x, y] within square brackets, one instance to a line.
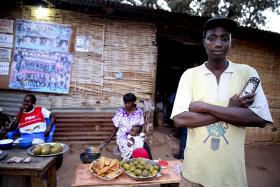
[41, 59]
[41, 71]
[43, 36]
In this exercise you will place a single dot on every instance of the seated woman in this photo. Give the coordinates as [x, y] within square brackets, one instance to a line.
[136, 142]
[124, 119]
[31, 120]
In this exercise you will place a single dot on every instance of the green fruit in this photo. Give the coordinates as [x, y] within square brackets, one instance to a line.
[131, 164]
[131, 173]
[142, 162]
[55, 150]
[58, 147]
[148, 167]
[139, 166]
[46, 145]
[45, 150]
[156, 167]
[138, 172]
[36, 150]
[132, 168]
[154, 172]
[126, 166]
[145, 173]
[122, 162]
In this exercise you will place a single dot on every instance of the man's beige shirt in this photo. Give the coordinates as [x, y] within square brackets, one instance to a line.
[214, 155]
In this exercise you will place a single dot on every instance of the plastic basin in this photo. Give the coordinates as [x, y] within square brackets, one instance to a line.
[6, 144]
[25, 142]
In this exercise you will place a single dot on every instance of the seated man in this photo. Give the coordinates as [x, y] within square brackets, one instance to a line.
[31, 120]
[4, 122]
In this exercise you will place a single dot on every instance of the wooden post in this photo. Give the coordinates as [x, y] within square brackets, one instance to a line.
[52, 176]
[37, 181]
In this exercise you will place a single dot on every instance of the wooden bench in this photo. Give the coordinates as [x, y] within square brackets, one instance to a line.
[83, 128]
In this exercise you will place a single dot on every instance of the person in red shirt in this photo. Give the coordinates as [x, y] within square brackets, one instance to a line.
[31, 120]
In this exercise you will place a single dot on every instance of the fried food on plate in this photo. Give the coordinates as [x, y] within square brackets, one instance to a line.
[106, 167]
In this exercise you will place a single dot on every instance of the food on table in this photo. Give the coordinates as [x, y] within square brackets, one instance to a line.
[37, 150]
[140, 167]
[106, 167]
[56, 148]
[47, 149]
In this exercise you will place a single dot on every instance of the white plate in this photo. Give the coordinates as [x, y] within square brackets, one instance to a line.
[65, 148]
[6, 141]
[35, 141]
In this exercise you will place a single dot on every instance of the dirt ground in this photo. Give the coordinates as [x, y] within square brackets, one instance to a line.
[262, 160]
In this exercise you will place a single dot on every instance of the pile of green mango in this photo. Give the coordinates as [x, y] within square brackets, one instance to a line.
[47, 149]
[140, 167]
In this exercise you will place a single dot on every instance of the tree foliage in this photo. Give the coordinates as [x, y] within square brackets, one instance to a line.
[246, 12]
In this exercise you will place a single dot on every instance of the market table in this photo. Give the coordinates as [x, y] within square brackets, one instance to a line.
[35, 169]
[84, 178]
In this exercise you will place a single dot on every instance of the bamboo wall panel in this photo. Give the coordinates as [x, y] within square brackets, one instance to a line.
[114, 46]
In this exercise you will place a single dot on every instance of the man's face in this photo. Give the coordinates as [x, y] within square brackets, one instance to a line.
[217, 43]
[28, 103]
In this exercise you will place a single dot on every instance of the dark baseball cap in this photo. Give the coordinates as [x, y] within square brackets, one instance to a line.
[224, 22]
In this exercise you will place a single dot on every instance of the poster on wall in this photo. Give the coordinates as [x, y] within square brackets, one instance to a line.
[82, 44]
[4, 68]
[41, 71]
[6, 26]
[6, 40]
[5, 54]
[43, 36]
[41, 61]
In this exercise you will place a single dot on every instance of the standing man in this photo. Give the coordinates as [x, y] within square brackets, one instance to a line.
[208, 103]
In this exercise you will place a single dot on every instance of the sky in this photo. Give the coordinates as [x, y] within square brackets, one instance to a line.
[272, 22]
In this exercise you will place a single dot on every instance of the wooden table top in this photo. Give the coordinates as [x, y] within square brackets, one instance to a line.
[37, 164]
[83, 177]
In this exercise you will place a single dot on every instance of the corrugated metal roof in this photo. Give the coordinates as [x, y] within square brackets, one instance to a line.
[110, 8]
[127, 7]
